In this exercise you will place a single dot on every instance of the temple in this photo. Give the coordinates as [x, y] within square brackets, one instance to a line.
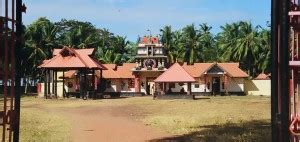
[79, 74]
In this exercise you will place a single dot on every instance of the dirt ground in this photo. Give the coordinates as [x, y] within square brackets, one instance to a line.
[107, 124]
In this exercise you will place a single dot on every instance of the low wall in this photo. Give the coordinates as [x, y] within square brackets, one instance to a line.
[258, 87]
[177, 96]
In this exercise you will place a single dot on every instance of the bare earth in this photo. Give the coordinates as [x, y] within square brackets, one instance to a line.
[109, 124]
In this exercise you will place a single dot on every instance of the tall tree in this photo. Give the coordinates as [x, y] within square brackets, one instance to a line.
[247, 46]
[191, 41]
[264, 54]
[178, 51]
[167, 40]
[40, 38]
[207, 44]
[78, 34]
[227, 41]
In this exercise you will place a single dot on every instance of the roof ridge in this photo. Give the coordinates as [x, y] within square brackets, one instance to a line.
[212, 64]
[79, 56]
[43, 64]
[224, 70]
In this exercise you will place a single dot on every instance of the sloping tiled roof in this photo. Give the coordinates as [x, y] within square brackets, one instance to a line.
[175, 73]
[262, 76]
[124, 71]
[233, 69]
[69, 58]
[87, 51]
[110, 72]
[114, 71]
[199, 69]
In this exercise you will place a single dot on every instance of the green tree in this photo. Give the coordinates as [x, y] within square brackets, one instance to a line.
[178, 51]
[167, 41]
[78, 34]
[40, 39]
[207, 44]
[227, 41]
[109, 57]
[247, 46]
[264, 53]
[191, 42]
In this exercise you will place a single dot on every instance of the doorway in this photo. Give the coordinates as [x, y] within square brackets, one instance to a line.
[216, 85]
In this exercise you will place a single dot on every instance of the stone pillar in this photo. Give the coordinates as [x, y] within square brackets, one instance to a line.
[189, 89]
[226, 84]
[46, 85]
[163, 92]
[137, 83]
[63, 84]
[93, 84]
[205, 83]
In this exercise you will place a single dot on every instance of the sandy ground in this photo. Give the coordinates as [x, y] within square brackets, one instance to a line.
[107, 124]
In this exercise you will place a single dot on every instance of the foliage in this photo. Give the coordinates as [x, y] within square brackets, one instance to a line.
[236, 42]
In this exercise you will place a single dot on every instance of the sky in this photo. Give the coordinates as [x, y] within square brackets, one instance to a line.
[133, 18]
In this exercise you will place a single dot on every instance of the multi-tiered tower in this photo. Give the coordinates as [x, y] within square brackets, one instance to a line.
[151, 61]
[150, 54]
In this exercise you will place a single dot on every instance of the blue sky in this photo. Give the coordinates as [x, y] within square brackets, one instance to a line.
[131, 18]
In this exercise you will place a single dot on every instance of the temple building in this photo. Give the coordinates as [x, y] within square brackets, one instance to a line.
[151, 63]
[77, 72]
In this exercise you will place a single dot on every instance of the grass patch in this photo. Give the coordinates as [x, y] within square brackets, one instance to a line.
[226, 118]
[37, 125]
[215, 119]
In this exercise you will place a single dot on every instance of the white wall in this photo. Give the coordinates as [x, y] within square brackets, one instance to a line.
[201, 88]
[59, 89]
[177, 87]
[236, 85]
[258, 87]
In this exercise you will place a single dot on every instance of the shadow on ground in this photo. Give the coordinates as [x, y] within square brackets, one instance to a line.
[258, 131]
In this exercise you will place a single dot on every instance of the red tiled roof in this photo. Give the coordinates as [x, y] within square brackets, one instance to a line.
[110, 72]
[72, 60]
[175, 73]
[114, 71]
[233, 69]
[124, 71]
[262, 76]
[87, 51]
[199, 69]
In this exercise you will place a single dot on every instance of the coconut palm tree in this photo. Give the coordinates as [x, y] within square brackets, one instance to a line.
[207, 43]
[247, 46]
[177, 54]
[167, 40]
[227, 41]
[109, 57]
[264, 56]
[50, 37]
[191, 41]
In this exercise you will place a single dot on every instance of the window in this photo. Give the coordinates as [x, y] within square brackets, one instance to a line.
[197, 85]
[223, 85]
